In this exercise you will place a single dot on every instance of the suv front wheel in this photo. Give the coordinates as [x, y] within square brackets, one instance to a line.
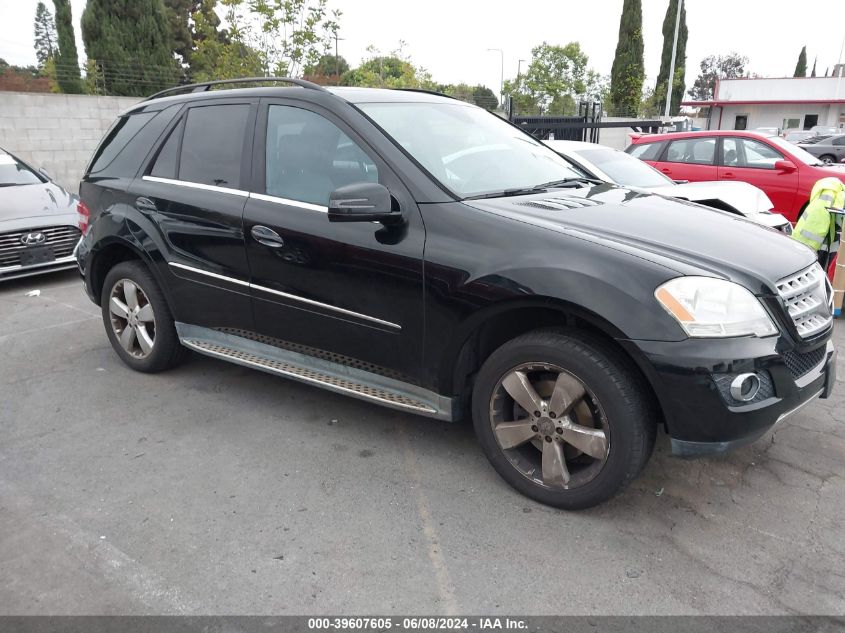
[138, 320]
[563, 418]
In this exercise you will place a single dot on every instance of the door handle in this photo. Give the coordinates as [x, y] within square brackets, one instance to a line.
[267, 237]
[145, 204]
[666, 171]
[729, 175]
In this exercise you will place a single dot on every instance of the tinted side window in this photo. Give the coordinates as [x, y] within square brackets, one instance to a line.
[695, 151]
[130, 141]
[212, 145]
[307, 156]
[165, 163]
[646, 151]
[839, 140]
[121, 132]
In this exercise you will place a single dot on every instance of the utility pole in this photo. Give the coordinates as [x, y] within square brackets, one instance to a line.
[336, 58]
[502, 75]
[670, 80]
[519, 69]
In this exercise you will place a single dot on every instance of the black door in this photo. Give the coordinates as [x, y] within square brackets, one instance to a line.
[196, 189]
[349, 292]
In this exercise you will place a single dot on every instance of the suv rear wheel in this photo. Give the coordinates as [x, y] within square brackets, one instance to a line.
[138, 320]
[562, 418]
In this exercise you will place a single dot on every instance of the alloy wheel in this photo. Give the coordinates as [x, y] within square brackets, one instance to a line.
[132, 318]
[550, 426]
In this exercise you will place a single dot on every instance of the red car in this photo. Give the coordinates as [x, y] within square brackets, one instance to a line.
[784, 171]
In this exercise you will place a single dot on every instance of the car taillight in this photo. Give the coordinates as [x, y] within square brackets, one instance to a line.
[83, 216]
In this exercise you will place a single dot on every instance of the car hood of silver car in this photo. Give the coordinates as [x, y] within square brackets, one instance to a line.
[21, 202]
[745, 198]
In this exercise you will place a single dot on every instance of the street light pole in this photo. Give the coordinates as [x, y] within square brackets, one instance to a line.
[502, 76]
[670, 80]
[519, 69]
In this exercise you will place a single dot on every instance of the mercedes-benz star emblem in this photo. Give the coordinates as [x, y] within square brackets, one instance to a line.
[33, 238]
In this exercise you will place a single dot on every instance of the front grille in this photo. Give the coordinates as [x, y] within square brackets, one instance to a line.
[800, 364]
[62, 239]
[807, 300]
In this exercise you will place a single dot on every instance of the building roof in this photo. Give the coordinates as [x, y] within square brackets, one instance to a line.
[775, 90]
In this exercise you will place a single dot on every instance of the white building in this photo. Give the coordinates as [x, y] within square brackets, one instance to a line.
[787, 103]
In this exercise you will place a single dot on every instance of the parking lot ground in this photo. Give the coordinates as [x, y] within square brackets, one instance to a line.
[214, 489]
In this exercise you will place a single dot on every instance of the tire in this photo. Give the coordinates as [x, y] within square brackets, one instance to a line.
[614, 404]
[151, 321]
[827, 158]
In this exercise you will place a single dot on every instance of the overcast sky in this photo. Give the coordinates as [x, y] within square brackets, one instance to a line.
[450, 37]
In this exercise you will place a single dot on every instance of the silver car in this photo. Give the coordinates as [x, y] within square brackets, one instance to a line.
[38, 221]
[829, 149]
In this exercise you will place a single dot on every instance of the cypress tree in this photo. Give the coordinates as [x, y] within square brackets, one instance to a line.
[45, 34]
[801, 66]
[130, 41]
[679, 83]
[178, 17]
[815, 61]
[67, 62]
[628, 72]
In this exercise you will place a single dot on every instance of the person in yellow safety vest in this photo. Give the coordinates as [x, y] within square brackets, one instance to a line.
[817, 226]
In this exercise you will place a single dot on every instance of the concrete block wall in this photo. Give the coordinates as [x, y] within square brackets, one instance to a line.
[55, 131]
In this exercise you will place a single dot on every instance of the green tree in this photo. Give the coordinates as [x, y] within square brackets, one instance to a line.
[178, 14]
[628, 72]
[388, 71]
[484, 97]
[678, 81]
[130, 42]
[67, 61]
[556, 77]
[714, 67]
[45, 34]
[295, 33]
[228, 56]
[328, 66]
[815, 61]
[801, 66]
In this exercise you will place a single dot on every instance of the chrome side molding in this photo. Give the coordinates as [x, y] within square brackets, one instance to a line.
[286, 295]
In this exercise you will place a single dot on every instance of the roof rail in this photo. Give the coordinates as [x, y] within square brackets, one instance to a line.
[207, 85]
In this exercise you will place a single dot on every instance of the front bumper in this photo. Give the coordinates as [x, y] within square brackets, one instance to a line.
[702, 418]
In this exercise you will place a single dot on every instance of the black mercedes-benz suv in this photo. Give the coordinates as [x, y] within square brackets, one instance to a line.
[421, 253]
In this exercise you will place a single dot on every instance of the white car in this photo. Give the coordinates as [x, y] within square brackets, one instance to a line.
[612, 165]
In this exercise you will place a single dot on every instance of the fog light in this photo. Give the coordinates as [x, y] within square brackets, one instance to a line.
[744, 387]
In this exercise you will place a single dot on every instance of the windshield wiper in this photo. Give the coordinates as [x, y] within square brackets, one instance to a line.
[521, 191]
[570, 182]
[573, 181]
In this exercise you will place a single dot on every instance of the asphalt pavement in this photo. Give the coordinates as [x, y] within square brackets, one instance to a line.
[215, 489]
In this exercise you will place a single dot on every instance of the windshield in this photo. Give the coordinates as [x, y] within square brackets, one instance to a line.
[624, 169]
[469, 150]
[14, 172]
[801, 154]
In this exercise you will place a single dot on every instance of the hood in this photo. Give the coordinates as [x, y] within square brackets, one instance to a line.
[26, 201]
[837, 170]
[699, 240]
[742, 196]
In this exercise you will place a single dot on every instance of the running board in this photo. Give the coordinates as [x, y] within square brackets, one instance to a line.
[349, 381]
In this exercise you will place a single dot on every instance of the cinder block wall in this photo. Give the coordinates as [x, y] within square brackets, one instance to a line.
[55, 131]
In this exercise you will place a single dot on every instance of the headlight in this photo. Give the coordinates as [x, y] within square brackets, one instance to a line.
[708, 307]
